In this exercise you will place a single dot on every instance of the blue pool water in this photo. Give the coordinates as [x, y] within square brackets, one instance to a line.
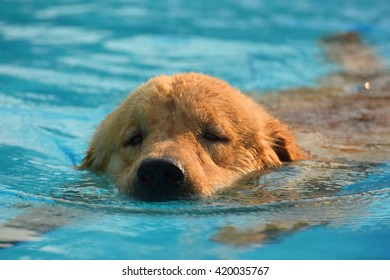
[65, 64]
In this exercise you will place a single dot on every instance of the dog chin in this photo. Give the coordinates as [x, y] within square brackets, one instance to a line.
[186, 192]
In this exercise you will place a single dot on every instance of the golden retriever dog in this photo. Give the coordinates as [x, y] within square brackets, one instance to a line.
[187, 135]
[190, 135]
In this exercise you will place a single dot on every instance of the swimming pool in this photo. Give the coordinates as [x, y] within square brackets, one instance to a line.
[65, 64]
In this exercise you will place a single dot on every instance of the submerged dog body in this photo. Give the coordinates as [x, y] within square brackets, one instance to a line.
[185, 135]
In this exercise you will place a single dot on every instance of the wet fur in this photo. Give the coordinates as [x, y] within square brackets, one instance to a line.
[172, 113]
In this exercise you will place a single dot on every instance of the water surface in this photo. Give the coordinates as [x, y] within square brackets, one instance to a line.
[65, 64]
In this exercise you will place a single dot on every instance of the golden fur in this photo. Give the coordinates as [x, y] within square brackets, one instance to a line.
[206, 127]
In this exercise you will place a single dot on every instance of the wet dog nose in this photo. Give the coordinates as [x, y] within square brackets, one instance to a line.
[160, 177]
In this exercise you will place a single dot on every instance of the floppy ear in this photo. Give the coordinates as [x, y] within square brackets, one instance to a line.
[105, 141]
[98, 154]
[95, 160]
[283, 142]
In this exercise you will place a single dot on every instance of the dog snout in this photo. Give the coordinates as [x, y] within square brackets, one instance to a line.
[160, 178]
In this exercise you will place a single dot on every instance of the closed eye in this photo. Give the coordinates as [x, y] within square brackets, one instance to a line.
[133, 138]
[214, 137]
[211, 137]
[136, 140]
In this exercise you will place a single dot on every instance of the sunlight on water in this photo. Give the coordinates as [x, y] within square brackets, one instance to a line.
[64, 66]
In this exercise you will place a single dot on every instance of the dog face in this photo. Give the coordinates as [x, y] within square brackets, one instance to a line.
[186, 135]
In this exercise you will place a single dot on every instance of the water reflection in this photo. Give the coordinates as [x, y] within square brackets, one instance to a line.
[293, 184]
[260, 209]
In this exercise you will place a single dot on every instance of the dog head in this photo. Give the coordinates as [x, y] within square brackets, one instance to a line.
[186, 135]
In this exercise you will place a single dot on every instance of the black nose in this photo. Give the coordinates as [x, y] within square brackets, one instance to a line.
[159, 178]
